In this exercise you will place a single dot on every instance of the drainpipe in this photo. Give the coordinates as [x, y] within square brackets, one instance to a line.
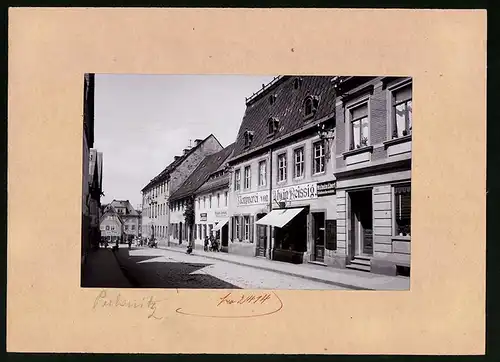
[271, 239]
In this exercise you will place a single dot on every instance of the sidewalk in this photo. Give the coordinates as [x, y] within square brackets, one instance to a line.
[102, 270]
[351, 279]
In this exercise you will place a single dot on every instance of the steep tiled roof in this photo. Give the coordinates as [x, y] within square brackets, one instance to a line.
[213, 184]
[163, 174]
[126, 204]
[201, 174]
[287, 107]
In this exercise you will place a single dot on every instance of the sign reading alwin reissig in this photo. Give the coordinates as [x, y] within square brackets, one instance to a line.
[290, 193]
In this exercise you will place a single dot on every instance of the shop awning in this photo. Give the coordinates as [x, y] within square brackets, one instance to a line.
[220, 225]
[279, 218]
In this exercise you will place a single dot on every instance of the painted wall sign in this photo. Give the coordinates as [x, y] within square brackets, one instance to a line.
[297, 192]
[203, 216]
[253, 198]
[221, 213]
[327, 188]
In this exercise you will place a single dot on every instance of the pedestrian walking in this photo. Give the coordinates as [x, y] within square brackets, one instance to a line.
[205, 247]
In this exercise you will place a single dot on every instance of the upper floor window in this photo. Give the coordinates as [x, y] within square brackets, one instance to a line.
[319, 157]
[107, 227]
[402, 205]
[246, 229]
[282, 167]
[359, 126]
[402, 111]
[248, 137]
[298, 158]
[297, 82]
[218, 200]
[204, 202]
[237, 180]
[273, 125]
[272, 99]
[210, 202]
[262, 173]
[225, 198]
[311, 104]
[247, 178]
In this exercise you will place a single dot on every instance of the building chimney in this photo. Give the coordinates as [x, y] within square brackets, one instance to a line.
[197, 142]
[186, 150]
[176, 158]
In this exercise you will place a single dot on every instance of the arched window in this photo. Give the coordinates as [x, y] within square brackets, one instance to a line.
[297, 82]
[273, 125]
[311, 104]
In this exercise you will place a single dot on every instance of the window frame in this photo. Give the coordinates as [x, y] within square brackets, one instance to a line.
[246, 225]
[262, 179]
[391, 116]
[302, 149]
[365, 99]
[237, 179]
[313, 154]
[247, 186]
[278, 167]
[237, 226]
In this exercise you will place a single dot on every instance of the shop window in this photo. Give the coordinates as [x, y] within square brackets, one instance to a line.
[359, 130]
[282, 167]
[298, 157]
[262, 173]
[237, 227]
[402, 112]
[237, 180]
[402, 206]
[247, 178]
[246, 228]
[319, 157]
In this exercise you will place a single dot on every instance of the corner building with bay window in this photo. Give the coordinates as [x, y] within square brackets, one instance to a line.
[373, 173]
[282, 201]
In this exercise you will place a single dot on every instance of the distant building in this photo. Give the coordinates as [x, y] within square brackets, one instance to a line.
[155, 195]
[206, 204]
[129, 217]
[112, 225]
[88, 143]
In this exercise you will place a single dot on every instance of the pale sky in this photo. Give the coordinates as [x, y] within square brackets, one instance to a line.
[143, 121]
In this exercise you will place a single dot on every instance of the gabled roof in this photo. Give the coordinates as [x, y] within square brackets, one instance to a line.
[110, 210]
[201, 174]
[163, 174]
[287, 107]
[127, 205]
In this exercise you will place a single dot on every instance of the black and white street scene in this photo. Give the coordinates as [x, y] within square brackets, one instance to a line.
[246, 182]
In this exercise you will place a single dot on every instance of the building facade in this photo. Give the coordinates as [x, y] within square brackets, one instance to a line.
[111, 226]
[95, 192]
[155, 195]
[88, 142]
[129, 217]
[373, 171]
[282, 202]
[187, 200]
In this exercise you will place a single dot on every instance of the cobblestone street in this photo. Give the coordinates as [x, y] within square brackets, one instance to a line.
[158, 268]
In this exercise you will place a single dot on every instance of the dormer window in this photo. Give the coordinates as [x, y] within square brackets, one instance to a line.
[272, 99]
[297, 82]
[273, 125]
[311, 104]
[248, 135]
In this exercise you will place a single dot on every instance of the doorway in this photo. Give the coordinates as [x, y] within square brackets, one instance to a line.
[318, 220]
[180, 233]
[224, 237]
[261, 237]
[361, 223]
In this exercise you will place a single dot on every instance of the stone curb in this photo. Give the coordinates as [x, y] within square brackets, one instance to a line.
[337, 284]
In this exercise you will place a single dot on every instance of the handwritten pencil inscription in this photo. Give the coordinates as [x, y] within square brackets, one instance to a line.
[149, 303]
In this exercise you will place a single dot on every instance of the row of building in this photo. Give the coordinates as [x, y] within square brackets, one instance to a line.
[91, 174]
[320, 172]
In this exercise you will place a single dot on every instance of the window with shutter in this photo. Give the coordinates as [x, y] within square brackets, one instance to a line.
[240, 236]
[402, 206]
[251, 228]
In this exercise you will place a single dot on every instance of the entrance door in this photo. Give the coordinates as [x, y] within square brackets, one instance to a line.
[318, 219]
[361, 228]
[261, 237]
[224, 237]
[180, 233]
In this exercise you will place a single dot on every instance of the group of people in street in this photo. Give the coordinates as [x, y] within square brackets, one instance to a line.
[211, 243]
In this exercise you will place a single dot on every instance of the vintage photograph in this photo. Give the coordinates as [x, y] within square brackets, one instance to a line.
[246, 182]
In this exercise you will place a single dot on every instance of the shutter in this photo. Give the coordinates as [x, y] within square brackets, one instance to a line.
[331, 234]
[251, 228]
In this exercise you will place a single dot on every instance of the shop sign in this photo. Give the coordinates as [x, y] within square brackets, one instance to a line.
[327, 188]
[297, 192]
[219, 214]
[203, 216]
[253, 198]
